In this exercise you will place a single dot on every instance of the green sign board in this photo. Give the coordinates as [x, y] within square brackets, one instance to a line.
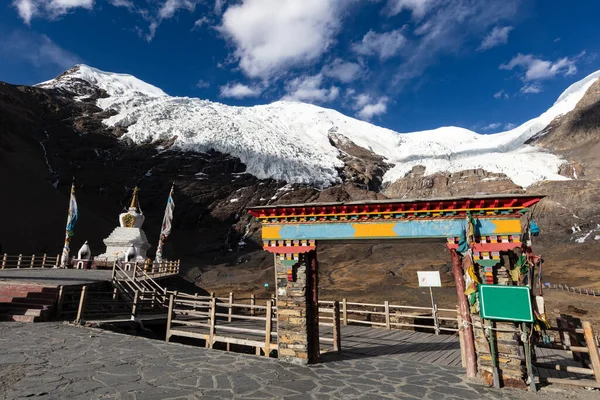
[505, 303]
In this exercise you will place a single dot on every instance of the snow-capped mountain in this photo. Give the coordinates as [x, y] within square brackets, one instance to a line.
[291, 141]
[113, 132]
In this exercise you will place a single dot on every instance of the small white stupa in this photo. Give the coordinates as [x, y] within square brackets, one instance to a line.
[128, 242]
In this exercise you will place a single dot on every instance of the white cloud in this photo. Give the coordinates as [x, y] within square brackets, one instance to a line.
[491, 127]
[219, 6]
[384, 45]
[202, 84]
[501, 95]
[291, 33]
[308, 88]
[170, 7]
[538, 69]
[343, 71]
[534, 87]
[239, 91]
[199, 22]
[510, 126]
[122, 3]
[496, 37]
[418, 7]
[368, 107]
[445, 28]
[28, 9]
[37, 50]
[167, 10]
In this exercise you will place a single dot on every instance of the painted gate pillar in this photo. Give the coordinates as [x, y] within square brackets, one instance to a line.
[297, 307]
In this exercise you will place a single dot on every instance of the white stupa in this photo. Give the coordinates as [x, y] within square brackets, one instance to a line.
[127, 242]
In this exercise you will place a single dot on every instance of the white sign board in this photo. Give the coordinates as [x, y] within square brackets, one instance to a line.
[429, 278]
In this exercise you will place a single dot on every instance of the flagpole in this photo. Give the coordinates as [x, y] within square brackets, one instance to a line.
[166, 226]
[69, 230]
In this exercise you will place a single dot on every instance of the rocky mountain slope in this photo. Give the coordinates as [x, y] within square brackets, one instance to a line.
[113, 131]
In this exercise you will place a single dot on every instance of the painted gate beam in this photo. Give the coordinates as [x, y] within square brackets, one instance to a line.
[404, 229]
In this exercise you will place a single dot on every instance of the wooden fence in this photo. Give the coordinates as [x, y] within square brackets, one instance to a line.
[570, 289]
[154, 269]
[578, 338]
[392, 316]
[100, 305]
[31, 261]
[222, 320]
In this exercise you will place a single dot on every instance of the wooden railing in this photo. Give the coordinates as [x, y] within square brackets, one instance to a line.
[164, 268]
[29, 261]
[329, 315]
[570, 289]
[391, 316]
[99, 305]
[579, 339]
[154, 270]
[211, 319]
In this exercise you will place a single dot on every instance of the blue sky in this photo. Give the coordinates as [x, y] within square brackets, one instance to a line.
[404, 64]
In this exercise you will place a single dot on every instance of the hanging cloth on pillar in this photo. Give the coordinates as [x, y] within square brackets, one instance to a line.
[470, 228]
[463, 246]
[534, 229]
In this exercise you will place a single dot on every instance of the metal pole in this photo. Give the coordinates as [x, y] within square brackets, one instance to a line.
[493, 355]
[434, 313]
[527, 345]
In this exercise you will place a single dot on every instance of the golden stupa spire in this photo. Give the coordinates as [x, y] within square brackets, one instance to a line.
[135, 203]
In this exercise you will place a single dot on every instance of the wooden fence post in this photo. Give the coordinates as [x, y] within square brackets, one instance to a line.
[252, 303]
[344, 312]
[60, 302]
[337, 337]
[386, 305]
[136, 297]
[230, 306]
[268, 329]
[213, 322]
[81, 303]
[114, 272]
[32, 261]
[57, 261]
[461, 338]
[19, 260]
[593, 349]
[44, 261]
[169, 317]
[4, 261]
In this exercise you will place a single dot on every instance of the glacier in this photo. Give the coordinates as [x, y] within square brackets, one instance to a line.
[289, 141]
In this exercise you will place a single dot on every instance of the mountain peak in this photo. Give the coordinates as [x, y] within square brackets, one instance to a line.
[114, 84]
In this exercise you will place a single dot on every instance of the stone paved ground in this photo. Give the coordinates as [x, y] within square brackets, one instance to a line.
[58, 361]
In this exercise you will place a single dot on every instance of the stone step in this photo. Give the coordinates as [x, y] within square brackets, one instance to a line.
[28, 295]
[26, 300]
[21, 311]
[17, 305]
[19, 318]
[26, 287]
